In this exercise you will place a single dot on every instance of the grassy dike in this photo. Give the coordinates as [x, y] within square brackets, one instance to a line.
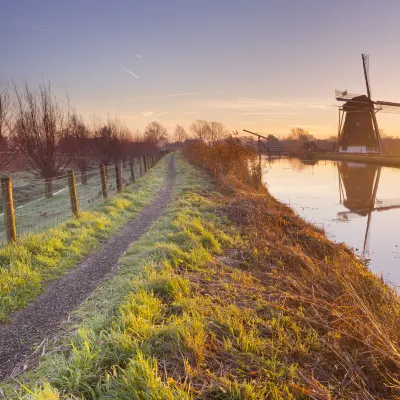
[229, 296]
[26, 266]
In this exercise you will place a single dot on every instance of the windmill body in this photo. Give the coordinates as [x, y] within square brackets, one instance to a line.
[358, 130]
[358, 133]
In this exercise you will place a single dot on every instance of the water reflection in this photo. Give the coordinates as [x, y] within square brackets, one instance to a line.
[358, 185]
[356, 203]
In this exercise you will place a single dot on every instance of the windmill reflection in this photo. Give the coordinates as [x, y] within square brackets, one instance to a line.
[358, 187]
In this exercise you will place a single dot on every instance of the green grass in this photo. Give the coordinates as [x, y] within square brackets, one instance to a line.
[178, 321]
[34, 213]
[204, 307]
[25, 266]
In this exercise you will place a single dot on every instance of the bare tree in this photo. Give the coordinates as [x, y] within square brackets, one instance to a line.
[180, 134]
[125, 139]
[108, 140]
[41, 125]
[216, 131]
[208, 131]
[6, 115]
[200, 129]
[82, 148]
[155, 133]
[300, 135]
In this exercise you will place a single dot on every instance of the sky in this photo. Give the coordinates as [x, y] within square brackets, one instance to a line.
[262, 65]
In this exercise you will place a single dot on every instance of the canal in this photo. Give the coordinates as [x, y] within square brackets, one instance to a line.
[355, 203]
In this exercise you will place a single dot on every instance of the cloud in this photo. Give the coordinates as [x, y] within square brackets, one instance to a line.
[169, 95]
[138, 56]
[34, 27]
[152, 113]
[130, 72]
[320, 107]
[268, 113]
[260, 107]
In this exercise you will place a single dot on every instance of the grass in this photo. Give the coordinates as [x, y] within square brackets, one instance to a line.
[34, 213]
[180, 321]
[25, 266]
[229, 296]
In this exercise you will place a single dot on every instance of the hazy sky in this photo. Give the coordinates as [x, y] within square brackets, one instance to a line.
[261, 65]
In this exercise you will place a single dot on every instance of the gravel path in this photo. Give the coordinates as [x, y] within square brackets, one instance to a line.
[41, 319]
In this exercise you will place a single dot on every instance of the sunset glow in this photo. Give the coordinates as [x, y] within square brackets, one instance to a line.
[262, 65]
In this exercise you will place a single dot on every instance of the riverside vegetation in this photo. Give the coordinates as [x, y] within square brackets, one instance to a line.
[230, 296]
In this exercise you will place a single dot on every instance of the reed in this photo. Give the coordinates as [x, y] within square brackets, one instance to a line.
[319, 285]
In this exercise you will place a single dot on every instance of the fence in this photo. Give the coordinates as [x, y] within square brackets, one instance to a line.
[27, 210]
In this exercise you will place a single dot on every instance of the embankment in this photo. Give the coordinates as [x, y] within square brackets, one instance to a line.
[230, 296]
[385, 160]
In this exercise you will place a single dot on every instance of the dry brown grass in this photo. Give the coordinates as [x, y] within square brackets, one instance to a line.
[318, 284]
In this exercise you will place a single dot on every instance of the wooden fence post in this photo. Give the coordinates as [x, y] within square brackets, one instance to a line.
[8, 209]
[145, 163]
[72, 193]
[103, 176]
[132, 170]
[118, 176]
[140, 166]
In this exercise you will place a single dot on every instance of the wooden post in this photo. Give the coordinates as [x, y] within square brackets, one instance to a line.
[72, 193]
[118, 176]
[140, 166]
[103, 176]
[145, 163]
[132, 171]
[8, 208]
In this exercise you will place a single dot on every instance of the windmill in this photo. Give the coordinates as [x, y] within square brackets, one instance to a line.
[358, 130]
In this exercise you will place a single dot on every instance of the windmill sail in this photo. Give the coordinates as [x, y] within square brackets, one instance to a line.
[365, 59]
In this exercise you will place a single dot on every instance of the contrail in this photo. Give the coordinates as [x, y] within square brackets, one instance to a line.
[130, 72]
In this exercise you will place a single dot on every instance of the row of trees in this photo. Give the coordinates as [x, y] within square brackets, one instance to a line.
[49, 136]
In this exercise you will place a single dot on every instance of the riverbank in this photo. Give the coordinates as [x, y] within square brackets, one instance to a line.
[230, 295]
[383, 160]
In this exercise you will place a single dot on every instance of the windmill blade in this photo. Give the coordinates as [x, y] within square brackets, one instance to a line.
[387, 107]
[365, 59]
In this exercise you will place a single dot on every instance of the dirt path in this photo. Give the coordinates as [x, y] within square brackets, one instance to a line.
[32, 325]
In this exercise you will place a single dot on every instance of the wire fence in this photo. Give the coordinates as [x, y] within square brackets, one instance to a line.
[25, 208]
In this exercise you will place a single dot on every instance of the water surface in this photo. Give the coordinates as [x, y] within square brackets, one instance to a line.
[355, 203]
